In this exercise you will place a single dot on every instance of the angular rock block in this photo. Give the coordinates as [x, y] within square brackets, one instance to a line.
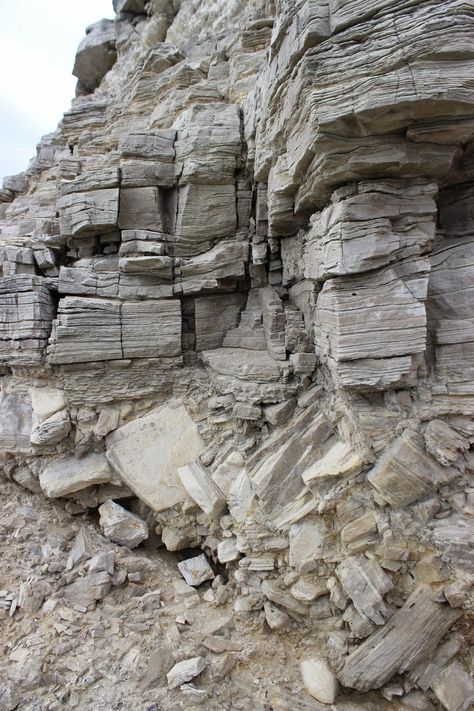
[369, 229]
[89, 213]
[68, 475]
[405, 473]
[205, 213]
[148, 452]
[102, 382]
[143, 173]
[366, 583]
[376, 317]
[214, 316]
[308, 538]
[86, 330]
[340, 460]
[156, 146]
[279, 470]
[184, 671]
[219, 267]
[96, 54]
[52, 430]
[196, 570]
[89, 330]
[85, 592]
[90, 277]
[208, 143]
[148, 159]
[122, 526]
[201, 488]
[151, 329]
[411, 634]
[141, 209]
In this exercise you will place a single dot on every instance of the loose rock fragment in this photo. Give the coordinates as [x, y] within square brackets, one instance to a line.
[121, 525]
[319, 679]
[68, 475]
[366, 583]
[196, 570]
[82, 548]
[454, 688]
[412, 633]
[185, 671]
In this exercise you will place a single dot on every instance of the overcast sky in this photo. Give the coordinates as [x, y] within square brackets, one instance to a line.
[38, 41]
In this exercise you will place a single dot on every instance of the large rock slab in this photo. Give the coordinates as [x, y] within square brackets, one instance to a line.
[68, 475]
[148, 452]
[374, 316]
[96, 54]
[412, 633]
[405, 472]
[369, 229]
[89, 330]
[89, 213]
[85, 330]
[205, 213]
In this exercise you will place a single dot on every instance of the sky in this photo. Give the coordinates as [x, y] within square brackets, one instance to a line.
[38, 42]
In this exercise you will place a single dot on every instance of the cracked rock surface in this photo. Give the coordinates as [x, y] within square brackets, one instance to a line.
[236, 335]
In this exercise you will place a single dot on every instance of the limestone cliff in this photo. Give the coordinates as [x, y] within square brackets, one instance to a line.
[238, 286]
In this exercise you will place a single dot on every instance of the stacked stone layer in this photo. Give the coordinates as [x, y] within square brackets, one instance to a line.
[237, 285]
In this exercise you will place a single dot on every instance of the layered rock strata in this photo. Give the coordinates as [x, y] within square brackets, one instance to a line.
[237, 285]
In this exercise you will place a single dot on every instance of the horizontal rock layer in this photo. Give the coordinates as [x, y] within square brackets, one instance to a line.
[236, 294]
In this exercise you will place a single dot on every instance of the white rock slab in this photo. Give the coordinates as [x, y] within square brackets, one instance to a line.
[148, 452]
[65, 476]
[319, 679]
[46, 402]
[198, 483]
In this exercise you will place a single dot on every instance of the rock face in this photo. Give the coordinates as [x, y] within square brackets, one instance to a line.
[237, 289]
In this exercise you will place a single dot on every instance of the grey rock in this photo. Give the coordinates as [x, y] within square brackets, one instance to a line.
[82, 548]
[96, 54]
[405, 473]
[88, 214]
[454, 688]
[365, 583]
[201, 488]
[85, 592]
[66, 476]
[122, 526]
[167, 437]
[411, 634]
[185, 671]
[196, 570]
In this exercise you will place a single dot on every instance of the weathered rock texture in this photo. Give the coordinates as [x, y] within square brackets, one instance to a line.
[241, 273]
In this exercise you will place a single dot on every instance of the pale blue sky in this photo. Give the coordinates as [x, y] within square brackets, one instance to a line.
[38, 41]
